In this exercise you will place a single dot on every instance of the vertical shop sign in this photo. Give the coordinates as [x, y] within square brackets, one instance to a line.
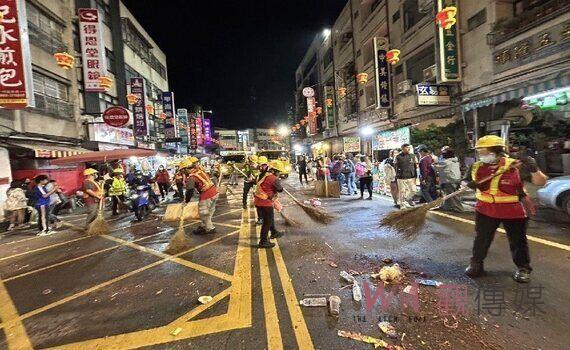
[329, 106]
[92, 49]
[139, 110]
[192, 132]
[312, 113]
[15, 61]
[382, 68]
[449, 68]
[171, 130]
[207, 131]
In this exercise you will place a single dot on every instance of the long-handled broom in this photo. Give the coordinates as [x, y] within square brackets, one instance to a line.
[408, 222]
[317, 214]
[279, 208]
[99, 226]
[179, 241]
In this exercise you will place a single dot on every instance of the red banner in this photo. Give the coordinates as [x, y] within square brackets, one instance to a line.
[14, 56]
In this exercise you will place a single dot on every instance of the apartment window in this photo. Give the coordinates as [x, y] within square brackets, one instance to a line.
[412, 14]
[477, 19]
[47, 86]
[42, 21]
[104, 11]
[106, 101]
[370, 95]
[328, 58]
[396, 16]
[416, 64]
[110, 57]
[521, 6]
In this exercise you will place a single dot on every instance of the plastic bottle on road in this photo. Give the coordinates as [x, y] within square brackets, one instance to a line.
[311, 302]
[356, 292]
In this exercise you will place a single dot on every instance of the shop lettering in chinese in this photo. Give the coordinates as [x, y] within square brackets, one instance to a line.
[382, 73]
[139, 110]
[311, 109]
[92, 50]
[351, 144]
[15, 62]
[192, 132]
[170, 123]
[391, 139]
[329, 106]
[207, 131]
[449, 69]
[547, 43]
[433, 95]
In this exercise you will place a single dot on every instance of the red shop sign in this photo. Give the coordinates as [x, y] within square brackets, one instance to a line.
[15, 67]
[116, 116]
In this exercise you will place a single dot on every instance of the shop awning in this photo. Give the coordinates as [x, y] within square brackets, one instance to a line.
[45, 150]
[521, 89]
[422, 114]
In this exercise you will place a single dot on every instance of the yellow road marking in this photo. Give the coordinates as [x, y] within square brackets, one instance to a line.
[239, 313]
[79, 258]
[274, 340]
[529, 237]
[302, 335]
[186, 263]
[8, 322]
[15, 332]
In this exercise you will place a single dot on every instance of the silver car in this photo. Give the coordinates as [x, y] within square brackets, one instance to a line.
[556, 194]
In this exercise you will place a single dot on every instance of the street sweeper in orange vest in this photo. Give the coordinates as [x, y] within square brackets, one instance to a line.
[268, 185]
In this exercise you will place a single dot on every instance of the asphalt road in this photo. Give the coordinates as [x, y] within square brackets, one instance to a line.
[120, 291]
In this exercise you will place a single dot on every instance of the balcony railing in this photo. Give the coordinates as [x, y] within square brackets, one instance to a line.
[504, 30]
[49, 42]
[53, 106]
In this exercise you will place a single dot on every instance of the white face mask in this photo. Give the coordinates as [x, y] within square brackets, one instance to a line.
[488, 158]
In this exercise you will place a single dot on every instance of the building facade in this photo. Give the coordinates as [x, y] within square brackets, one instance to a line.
[501, 68]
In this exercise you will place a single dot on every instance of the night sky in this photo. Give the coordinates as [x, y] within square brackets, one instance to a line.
[237, 58]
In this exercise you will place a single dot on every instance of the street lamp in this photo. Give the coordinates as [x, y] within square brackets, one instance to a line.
[297, 147]
[326, 32]
[367, 131]
[283, 130]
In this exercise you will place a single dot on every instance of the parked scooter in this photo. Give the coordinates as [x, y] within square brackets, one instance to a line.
[142, 202]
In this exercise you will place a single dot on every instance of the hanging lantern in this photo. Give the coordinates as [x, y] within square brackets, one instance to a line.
[132, 99]
[149, 109]
[393, 56]
[105, 82]
[446, 17]
[162, 116]
[329, 102]
[362, 78]
[64, 60]
[319, 110]
[341, 92]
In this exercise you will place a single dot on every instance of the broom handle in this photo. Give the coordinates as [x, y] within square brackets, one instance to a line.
[290, 195]
[465, 189]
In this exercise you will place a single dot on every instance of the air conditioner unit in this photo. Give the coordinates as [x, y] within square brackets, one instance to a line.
[404, 86]
[430, 73]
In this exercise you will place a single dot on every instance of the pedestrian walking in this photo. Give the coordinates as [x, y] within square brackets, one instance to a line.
[348, 175]
[162, 179]
[92, 195]
[266, 191]
[54, 203]
[302, 168]
[117, 189]
[199, 180]
[233, 180]
[42, 199]
[427, 175]
[336, 169]
[499, 202]
[449, 173]
[16, 205]
[363, 171]
[251, 172]
[390, 181]
[406, 174]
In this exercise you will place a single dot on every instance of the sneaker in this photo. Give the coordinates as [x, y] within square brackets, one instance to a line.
[522, 275]
[259, 222]
[276, 234]
[199, 231]
[361, 197]
[266, 244]
[210, 232]
[474, 270]
[46, 233]
[369, 198]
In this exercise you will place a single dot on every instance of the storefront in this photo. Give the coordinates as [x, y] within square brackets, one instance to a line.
[387, 140]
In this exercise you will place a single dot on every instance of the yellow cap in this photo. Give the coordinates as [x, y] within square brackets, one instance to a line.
[89, 171]
[262, 160]
[490, 141]
[188, 162]
[118, 171]
[277, 165]
[253, 158]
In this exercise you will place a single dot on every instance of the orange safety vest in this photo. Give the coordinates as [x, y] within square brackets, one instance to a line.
[259, 192]
[203, 181]
[494, 194]
[98, 191]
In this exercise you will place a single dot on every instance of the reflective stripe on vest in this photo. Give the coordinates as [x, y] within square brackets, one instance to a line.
[259, 193]
[493, 194]
[203, 178]
[98, 191]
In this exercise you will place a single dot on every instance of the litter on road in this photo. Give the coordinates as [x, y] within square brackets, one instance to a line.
[205, 299]
[175, 332]
[388, 329]
[334, 305]
[389, 274]
[429, 282]
[378, 343]
[313, 302]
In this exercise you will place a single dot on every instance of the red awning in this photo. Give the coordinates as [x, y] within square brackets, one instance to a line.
[104, 156]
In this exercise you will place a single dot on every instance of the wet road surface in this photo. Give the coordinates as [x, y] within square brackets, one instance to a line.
[120, 291]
